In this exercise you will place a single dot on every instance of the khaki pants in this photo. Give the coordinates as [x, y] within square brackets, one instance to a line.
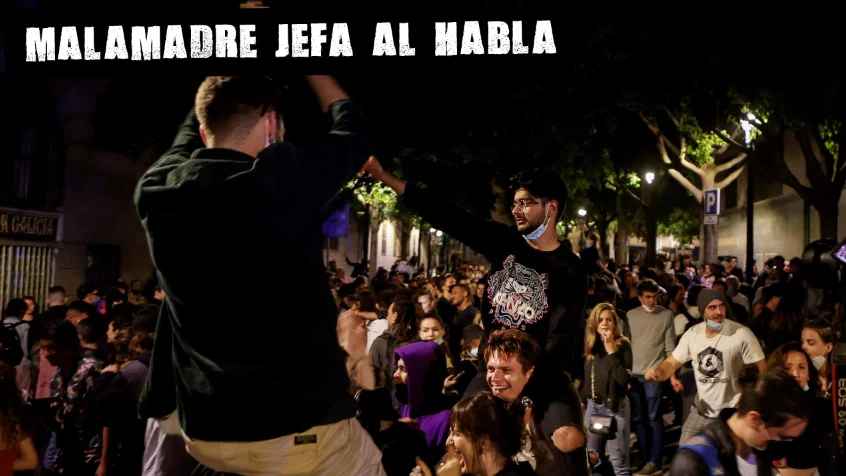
[336, 449]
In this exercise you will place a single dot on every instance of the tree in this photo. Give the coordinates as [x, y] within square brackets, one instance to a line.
[700, 152]
[381, 204]
[682, 222]
[812, 113]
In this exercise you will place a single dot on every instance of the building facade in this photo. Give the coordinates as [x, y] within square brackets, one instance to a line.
[782, 225]
[66, 211]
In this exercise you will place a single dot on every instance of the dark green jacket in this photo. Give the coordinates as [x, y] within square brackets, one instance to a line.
[246, 345]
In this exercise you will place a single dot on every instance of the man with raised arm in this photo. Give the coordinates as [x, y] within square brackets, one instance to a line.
[719, 349]
[536, 285]
[229, 209]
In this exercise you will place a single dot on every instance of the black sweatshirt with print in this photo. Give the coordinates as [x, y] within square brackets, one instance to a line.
[540, 292]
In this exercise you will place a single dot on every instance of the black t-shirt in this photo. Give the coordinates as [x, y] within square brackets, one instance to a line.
[446, 310]
[465, 318]
[540, 292]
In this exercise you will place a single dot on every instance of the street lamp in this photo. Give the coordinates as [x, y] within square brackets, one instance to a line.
[650, 177]
[746, 125]
[582, 212]
[439, 233]
[432, 230]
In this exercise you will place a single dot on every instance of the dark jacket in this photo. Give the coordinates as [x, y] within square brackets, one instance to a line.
[687, 462]
[220, 226]
[612, 372]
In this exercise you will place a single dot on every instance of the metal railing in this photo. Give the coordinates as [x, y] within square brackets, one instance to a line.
[26, 271]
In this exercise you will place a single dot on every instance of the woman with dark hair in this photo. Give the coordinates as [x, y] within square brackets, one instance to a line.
[772, 407]
[17, 451]
[812, 450]
[485, 434]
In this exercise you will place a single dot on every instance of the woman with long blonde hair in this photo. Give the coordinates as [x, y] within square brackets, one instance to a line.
[608, 369]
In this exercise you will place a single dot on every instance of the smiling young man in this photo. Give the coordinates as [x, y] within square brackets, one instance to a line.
[536, 285]
[719, 348]
[510, 359]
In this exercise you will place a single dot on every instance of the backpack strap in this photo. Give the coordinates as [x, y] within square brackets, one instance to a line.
[704, 447]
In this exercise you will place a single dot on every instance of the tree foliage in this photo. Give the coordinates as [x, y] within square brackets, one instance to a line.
[810, 112]
[682, 222]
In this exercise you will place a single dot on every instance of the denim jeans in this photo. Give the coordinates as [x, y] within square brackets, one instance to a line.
[645, 398]
[618, 441]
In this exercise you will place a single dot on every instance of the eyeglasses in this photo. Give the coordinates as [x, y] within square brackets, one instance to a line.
[524, 203]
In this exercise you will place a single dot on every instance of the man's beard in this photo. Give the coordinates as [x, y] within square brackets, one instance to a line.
[401, 391]
[531, 227]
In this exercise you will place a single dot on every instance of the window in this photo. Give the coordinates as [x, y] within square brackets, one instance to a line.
[397, 239]
[102, 265]
[331, 243]
[32, 170]
[384, 234]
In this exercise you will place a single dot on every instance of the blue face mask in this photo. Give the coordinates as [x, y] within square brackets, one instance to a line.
[440, 341]
[714, 326]
[807, 387]
[533, 236]
[474, 351]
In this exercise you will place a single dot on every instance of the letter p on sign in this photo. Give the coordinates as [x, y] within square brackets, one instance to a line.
[712, 201]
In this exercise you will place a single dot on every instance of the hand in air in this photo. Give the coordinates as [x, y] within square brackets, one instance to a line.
[373, 167]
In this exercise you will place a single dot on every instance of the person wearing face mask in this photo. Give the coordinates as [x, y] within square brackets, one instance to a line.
[813, 450]
[653, 339]
[818, 341]
[536, 285]
[719, 348]
[772, 408]
[229, 159]
[467, 367]
[431, 328]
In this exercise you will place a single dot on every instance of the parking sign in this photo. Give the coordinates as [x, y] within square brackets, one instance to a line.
[712, 201]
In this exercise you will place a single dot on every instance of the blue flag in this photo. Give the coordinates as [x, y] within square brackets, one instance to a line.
[338, 223]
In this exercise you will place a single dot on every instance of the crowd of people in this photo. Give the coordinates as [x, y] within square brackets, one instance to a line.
[720, 365]
[548, 360]
[71, 373]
